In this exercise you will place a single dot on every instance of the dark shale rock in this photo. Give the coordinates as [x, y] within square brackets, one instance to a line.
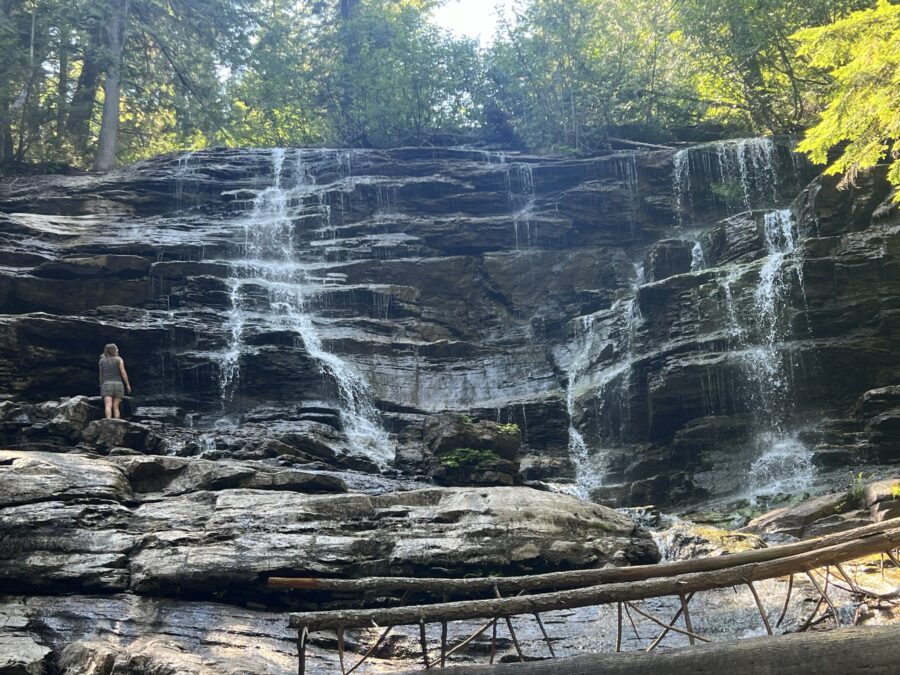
[21, 655]
[107, 434]
[668, 258]
[456, 286]
[453, 282]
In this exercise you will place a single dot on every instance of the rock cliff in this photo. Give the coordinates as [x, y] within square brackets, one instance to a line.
[317, 337]
[655, 323]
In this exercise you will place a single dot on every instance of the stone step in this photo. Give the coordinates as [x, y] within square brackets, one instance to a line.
[830, 456]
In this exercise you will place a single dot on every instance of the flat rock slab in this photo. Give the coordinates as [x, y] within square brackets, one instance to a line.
[184, 526]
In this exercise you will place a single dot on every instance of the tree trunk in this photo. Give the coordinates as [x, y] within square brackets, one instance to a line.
[347, 8]
[109, 124]
[82, 106]
[349, 60]
[574, 578]
[873, 650]
[62, 87]
[885, 540]
[6, 140]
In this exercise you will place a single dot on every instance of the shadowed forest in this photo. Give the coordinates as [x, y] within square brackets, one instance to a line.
[94, 83]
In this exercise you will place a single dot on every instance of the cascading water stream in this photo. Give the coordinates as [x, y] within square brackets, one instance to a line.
[614, 382]
[698, 260]
[268, 262]
[784, 463]
[743, 174]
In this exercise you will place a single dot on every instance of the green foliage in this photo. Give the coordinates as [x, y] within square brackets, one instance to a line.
[466, 457]
[508, 429]
[854, 492]
[742, 63]
[861, 107]
[397, 77]
[729, 192]
[564, 75]
[568, 70]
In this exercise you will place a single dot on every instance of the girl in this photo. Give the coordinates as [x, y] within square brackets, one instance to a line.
[112, 377]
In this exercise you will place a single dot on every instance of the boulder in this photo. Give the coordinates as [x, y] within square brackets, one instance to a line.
[430, 532]
[685, 541]
[877, 401]
[30, 477]
[130, 634]
[469, 452]
[73, 416]
[105, 434]
[882, 499]
[185, 526]
[21, 655]
[149, 475]
[804, 520]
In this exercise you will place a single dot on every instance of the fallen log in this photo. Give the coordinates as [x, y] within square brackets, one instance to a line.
[575, 578]
[886, 539]
[639, 144]
[873, 650]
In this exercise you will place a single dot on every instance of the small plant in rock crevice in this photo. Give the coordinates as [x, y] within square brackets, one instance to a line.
[508, 429]
[466, 457]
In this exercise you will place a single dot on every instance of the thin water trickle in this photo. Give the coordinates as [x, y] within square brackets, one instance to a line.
[744, 174]
[681, 182]
[521, 203]
[698, 261]
[610, 385]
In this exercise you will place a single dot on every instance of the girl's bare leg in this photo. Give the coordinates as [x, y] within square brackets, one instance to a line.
[115, 405]
[108, 406]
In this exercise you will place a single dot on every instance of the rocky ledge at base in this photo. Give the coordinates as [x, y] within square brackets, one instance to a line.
[170, 536]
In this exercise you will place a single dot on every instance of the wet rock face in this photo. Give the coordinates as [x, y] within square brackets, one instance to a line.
[668, 258]
[267, 302]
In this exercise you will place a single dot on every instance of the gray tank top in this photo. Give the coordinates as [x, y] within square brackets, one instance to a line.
[109, 366]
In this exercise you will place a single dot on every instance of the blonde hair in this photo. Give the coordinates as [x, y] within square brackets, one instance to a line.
[110, 350]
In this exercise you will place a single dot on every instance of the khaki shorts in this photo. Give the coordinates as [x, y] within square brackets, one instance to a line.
[114, 389]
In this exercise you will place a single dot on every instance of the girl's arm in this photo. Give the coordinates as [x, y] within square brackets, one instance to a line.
[124, 374]
[100, 374]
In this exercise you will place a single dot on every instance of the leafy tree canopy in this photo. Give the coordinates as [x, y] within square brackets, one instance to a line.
[147, 76]
[861, 54]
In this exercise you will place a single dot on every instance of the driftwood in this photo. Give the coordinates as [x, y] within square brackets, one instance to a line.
[870, 650]
[571, 579]
[883, 538]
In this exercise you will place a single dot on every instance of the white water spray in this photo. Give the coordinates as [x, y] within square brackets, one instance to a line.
[268, 263]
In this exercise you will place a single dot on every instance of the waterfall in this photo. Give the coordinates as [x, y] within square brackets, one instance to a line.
[185, 177]
[784, 463]
[749, 163]
[521, 203]
[268, 262]
[612, 383]
[744, 174]
[681, 181]
[586, 476]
